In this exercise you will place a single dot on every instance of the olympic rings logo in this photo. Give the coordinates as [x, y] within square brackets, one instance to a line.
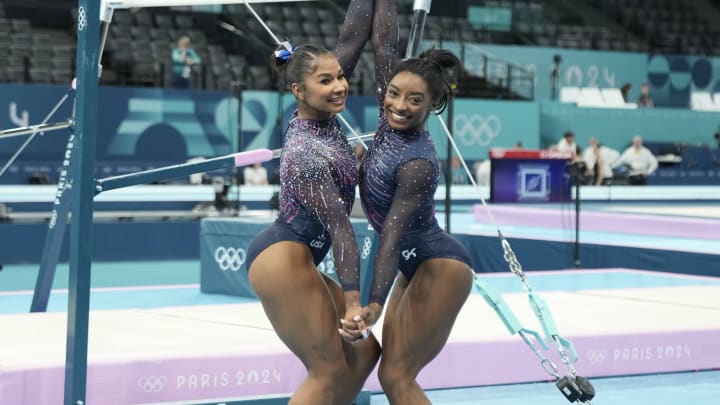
[597, 356]
[82, 19]
[229, 258]
[152, 383]
[367, 245]
[477, 129]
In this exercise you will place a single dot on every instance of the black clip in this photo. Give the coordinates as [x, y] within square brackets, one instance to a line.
[569, 388]
[588, 391]
[576, 389]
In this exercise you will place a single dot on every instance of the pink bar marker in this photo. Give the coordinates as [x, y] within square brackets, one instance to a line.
[253, 156]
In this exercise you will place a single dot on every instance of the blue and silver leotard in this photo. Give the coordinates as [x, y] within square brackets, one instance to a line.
[398, 180]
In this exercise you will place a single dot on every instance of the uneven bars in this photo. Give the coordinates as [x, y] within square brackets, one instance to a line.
[8, 133]
[186, 169]
[168, 3]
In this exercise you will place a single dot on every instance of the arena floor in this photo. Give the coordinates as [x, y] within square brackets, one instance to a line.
[640, 334]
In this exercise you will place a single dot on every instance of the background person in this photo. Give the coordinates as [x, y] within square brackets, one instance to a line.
[625, 91]
[640, 161]
[184, 58]
[457, 171]
[645, 100]
[599, 160]
[255, 175]
[359, 151]
[482, 172]
[567, 144]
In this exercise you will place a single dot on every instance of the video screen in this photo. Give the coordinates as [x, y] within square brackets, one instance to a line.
[530, 180]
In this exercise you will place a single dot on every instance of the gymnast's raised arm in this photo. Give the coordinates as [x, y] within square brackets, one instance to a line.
[354, 34]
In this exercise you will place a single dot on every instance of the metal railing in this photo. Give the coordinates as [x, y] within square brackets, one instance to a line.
[517, 80]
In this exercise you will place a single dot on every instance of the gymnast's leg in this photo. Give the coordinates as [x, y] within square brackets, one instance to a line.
[361, 358]
[354, 34]
[303, 314]
[419, 316]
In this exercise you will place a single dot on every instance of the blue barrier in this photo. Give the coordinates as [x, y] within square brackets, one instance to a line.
[171, 240]
[112, 241]
[487, 256]
[674, 176]
[223, 250]
[615, 128]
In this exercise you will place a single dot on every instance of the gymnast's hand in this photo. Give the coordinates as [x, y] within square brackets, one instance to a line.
[369, 317]
[350, 328]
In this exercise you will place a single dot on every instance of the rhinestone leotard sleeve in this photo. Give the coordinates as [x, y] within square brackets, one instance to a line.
[318, 175]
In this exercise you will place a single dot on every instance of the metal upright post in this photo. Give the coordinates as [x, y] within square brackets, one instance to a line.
[62, 202]
[576, 179]
[448, 173]
[421, 8]
[238, 87]
[83, 191]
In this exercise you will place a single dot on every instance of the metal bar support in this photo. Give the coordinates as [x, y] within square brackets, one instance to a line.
[184, 169]
[32, 129]
[82, 192]
[421, 8]
[55, 235]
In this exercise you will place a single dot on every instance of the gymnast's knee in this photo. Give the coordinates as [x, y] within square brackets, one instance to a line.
[328, 376]
[393, 375]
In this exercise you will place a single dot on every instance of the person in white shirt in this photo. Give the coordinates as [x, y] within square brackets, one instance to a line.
[567, 144]
[482, 173]
[642, 163]
[599, 160]
[458, 173]
[255, 175]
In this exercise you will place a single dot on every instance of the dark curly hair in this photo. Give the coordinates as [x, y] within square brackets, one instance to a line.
[439, 68]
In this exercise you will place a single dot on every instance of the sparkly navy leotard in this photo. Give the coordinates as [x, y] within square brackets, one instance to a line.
[318, 171]
[318, 176]
[398, 180]
[399, 174]
[389, 150]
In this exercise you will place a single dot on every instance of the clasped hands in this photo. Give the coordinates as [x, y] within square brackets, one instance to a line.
[359, 321]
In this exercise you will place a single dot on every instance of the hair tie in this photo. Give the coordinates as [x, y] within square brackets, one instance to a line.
[285, 54]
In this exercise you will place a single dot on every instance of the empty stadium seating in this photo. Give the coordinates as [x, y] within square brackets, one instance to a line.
[34, 36]
[704, 101]
[593, 97]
